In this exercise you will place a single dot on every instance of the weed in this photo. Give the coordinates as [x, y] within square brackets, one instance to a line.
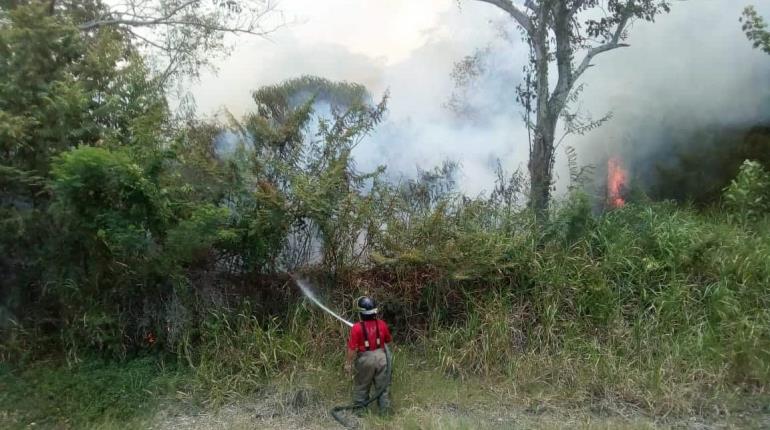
[51, 395]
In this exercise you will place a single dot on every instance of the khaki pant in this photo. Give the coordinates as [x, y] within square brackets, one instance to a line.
[371, 367]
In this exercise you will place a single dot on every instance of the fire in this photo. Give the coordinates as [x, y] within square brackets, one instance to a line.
[616, 182]
[150, 338]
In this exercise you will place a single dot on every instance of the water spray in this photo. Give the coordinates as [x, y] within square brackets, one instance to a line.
[310, 295]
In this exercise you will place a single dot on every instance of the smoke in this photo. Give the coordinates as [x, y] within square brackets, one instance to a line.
[691, 68]
[423, 131]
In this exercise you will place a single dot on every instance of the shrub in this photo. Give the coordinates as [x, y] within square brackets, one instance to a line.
[748, 195]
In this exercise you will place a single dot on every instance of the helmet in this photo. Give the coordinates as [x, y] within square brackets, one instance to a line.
[366, 305]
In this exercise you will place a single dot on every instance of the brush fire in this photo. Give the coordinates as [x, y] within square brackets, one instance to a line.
[616, 183]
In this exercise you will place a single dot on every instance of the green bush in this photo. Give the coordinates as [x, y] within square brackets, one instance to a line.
[748, 195]
[104, 198]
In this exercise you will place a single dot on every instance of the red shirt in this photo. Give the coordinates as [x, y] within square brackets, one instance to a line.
[356, 341]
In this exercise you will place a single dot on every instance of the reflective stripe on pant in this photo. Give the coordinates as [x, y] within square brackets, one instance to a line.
[371, 367]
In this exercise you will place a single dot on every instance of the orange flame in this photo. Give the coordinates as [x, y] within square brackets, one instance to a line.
[150, 338]
[616, 182]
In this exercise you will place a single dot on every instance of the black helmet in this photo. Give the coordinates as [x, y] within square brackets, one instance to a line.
[366, 306]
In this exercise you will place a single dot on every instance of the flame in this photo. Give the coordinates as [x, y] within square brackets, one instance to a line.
[150, 338]
[616, 182]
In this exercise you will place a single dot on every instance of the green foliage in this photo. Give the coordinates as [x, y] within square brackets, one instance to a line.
[112, 222]
[92, 88]
[20, 188]
[692, 285]
[475, 344]
[105, 196]
[748, 195]
[63, 89]
[65, 397]
[307, 183]
[572, 220]
[755, 28]
[42, 104]
[278, 102]
[193, 238]
[466, 239]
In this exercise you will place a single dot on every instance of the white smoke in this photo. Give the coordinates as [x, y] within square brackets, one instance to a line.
[693, 66]
[692, 69]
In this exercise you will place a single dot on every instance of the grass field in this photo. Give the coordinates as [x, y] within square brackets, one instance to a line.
[144, 393]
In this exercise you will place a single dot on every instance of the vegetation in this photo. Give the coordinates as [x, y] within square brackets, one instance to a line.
[96, 392]
[755, 28]
[145, 256]
[556, 33]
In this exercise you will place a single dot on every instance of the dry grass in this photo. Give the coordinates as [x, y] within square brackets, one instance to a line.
[427, 400]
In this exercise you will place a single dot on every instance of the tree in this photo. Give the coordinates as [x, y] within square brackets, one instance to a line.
[63, 88]
[180, 36]
[300, 140]
[556, 32]
[756, 29]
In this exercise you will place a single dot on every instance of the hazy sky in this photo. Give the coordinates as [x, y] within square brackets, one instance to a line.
[692, 66]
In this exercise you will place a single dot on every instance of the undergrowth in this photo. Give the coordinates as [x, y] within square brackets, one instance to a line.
[51, 395]
[657, 308]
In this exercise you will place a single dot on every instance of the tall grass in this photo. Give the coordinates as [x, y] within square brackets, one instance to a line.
[47, 395]
[657, 306]
[239, 354]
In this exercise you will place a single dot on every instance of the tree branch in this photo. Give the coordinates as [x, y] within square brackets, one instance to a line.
[564, 53]
[149, 42]
[515, 11]
[614, 43]
[133, 22]
[205, 26]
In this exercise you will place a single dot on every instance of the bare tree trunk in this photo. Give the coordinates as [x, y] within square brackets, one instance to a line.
[541, 151]
[540, 166]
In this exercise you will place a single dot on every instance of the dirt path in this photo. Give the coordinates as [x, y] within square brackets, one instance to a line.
[312, 414]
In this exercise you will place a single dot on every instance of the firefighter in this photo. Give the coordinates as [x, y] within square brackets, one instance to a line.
[367, 345]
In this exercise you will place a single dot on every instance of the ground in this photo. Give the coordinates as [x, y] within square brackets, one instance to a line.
[117, 396]
[440, 415]
[448, 417]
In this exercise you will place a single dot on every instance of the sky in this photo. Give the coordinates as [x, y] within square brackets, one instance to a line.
[691, 67]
